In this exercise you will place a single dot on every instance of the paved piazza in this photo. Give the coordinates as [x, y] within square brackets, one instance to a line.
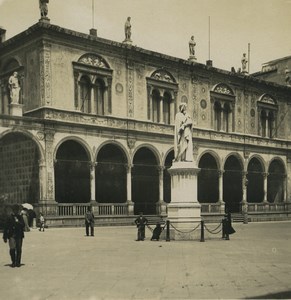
[62, 263]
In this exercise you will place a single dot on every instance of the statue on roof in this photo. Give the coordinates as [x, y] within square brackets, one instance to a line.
[192, 45]
[244, 62]
[127, 29]
[43, 8]
[288, 76]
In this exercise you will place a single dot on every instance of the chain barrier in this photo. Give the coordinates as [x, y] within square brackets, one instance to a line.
[184, 231]
[213, 231]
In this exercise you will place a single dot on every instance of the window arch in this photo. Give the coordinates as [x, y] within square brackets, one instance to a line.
[223, 101]
[93, 79]
[267, 108]
[162, 93]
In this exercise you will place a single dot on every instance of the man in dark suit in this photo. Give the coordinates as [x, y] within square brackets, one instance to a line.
[14, 233]
[141, 222]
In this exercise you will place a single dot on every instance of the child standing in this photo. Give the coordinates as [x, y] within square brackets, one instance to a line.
[41, 222]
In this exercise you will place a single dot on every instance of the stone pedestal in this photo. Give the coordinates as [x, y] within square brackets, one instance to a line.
[184, 211]
[192, 58]
[127, 42]
[15, 109]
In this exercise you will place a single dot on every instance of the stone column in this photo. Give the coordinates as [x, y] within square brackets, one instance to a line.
[284, 188]
[220, 197]
[130, 204]
[161, 117]
[42, 180]
[161, 205]
[244, 202]
[267, 125]
[92, 183]
[92, 100]
[265, 176]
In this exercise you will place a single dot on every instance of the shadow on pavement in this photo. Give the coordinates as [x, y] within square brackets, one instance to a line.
[279, 295]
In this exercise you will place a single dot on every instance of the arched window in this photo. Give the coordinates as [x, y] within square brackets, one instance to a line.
[167, 108]
[99, 92]
[267, 108]
[93, 79]
[85, 94]
[162, 91]
[156, 106]
[223, 100]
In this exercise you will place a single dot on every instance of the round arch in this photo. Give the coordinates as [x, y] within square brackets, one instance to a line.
[111, 174]
[169, 157]
[232, 182]
[72, 172]
[208, 179]
[150, 147]
[255, 177]
[20, 154]
[145, 181]
[276, 181]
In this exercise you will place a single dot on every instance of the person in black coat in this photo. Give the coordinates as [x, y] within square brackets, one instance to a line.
[157, 232]
[141, 222]
[226, 225]
[14, 233]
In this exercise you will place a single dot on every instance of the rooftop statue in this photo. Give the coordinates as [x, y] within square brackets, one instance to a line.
[183, 135]
[127, 29]
[192, 45]
[43, 8]
[244, 62]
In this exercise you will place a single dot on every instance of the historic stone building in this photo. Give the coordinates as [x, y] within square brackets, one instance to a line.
[93, 124]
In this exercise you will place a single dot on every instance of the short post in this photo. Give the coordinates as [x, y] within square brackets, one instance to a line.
[202, 232]
[167, 231]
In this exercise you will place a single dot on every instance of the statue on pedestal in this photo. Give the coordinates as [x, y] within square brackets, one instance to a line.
[127, 29]
[183, 135]
[14, 87]
[192, 45]
[288, 76]
[43, 8]
[244, 62]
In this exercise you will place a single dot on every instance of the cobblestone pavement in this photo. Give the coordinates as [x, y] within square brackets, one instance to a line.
[62, 263]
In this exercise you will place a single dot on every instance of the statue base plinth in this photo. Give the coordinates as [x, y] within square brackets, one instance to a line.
[44, 20]
[184, 211]
[192, 58]
[16, 109]
[127, 42]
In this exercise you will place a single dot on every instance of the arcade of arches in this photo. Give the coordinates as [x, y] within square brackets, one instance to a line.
[144, 182]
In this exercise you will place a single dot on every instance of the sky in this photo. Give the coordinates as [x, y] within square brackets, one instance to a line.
[223, 29]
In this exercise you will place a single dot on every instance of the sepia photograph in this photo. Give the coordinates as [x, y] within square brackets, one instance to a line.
[145, 149]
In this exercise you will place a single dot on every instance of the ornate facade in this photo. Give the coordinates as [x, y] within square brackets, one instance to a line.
[95, 121]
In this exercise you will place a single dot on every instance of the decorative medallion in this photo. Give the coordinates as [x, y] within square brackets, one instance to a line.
[253, 113]
[119, 88]
[203, 103]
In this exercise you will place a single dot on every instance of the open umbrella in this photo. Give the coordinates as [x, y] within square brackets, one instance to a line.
[27, 205]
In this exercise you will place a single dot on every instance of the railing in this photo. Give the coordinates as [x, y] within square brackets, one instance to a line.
[268, 207]
[102, 209]
[210, 208]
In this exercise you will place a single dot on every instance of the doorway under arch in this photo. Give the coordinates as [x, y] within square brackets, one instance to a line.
[19, 169]
[232, 184]
[145, 182]
[255, 187]
[111, 175]
[275, 182]
[208, 180]
[72, 173]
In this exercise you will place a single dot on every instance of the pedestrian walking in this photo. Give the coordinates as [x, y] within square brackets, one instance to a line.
[89, 221]
[41, 222]
[141, 222]
[14, 234]
[227, 228]
[24, 214]
[157, 232]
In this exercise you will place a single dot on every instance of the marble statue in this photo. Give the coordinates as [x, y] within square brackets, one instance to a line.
[192, 45]
[14, 87]
[244, 62]
[183, 135]
[43, 8]
[127, 29]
